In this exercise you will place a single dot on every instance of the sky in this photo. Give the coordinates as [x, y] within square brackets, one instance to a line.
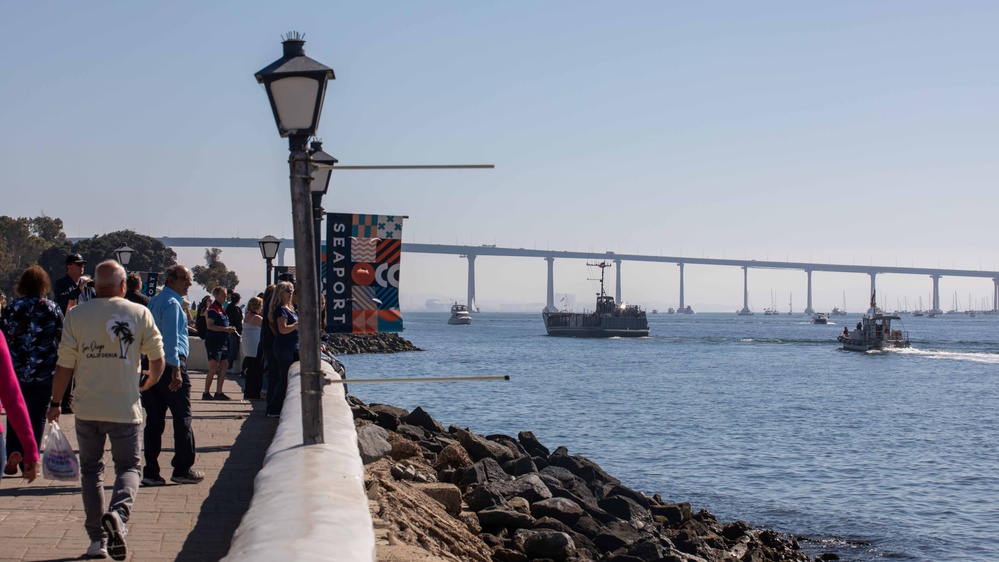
[854, 133]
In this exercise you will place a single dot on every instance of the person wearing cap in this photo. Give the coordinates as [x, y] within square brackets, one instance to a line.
[67, 293]
[67, 289]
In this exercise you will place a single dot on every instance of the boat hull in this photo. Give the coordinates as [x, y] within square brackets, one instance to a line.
[460, 320]
[852, 344]
[573, 325]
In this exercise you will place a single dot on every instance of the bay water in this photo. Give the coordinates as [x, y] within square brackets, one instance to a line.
[886, 455]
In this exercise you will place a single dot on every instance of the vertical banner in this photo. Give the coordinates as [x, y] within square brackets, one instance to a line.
[362, 273]
[150, 280]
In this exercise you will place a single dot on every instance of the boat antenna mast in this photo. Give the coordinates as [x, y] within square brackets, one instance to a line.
[602, 265]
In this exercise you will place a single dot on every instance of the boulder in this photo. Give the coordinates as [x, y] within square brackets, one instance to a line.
[626, 509]
[532, 445]
[372, 443]
[509, 555]
[420, 418]
[493, 518]
[485, 470]
[529, 487]
[411, 432]
[387, 416]
[479, 447]
[482, 497]
[522, 465]
[544, 544]
[584, 468]
[520, 504]
[561, 509]
[448, 495]
[453, 456]
[509, 443]
[616, 535]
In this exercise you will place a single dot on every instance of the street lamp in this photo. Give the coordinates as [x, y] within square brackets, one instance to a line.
[320, 183]
[124, 256]
[268, 250]
[296, 87]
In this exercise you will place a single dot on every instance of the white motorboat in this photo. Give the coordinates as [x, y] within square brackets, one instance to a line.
[820, 318]
[874, 332]
[459, 315]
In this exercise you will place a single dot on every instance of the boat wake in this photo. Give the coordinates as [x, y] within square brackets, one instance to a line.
[979, 357]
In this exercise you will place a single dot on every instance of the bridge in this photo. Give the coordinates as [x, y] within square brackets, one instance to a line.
[472, 252]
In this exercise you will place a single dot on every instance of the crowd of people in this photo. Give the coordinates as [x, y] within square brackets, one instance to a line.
[101, 350]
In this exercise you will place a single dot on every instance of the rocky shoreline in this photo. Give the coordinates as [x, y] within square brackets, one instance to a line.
[451, 494]
[348, 344]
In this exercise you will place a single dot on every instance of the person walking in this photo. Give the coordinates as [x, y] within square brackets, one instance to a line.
[32, 325]
[17, 413]
[252, 367]
[103, 340]
[217, 344]
[284, 324]
[235, 315]
[173, 392]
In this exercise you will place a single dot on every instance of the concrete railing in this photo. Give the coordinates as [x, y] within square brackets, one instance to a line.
[308, 503]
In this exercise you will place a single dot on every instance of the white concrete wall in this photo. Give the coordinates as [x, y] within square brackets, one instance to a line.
[308, 503]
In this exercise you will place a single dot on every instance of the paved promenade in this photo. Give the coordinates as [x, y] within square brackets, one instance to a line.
[43, 521]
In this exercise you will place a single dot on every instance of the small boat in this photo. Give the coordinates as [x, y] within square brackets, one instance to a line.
[874, 332]
[820, 318]
[670, 310]
[655, 311]
[609, 320]
[685, 310]
[837, 311]
[459, 314]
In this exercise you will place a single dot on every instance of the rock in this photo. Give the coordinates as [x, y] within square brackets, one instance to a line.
[387, 416]
[508, 555]
[490, 539]
[626, 509]
[485, 470]
[584, 468]
[529, 487]
[493, 518]
[561, 509]
[372, 443]
[616, 535]
[453, 456]
[420, 418]
[544, 544]
[479, 447]
[403, 449]
[532, 445]
[411, 432]
[523, 465]
[520, 504]
[482, 497]
[509, 443]
[448, 495]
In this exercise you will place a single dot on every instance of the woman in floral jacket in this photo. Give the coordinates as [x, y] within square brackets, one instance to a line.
[32, 325]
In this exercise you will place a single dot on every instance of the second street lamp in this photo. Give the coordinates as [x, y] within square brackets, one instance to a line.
[124, 256]
[268, 250]
[296, 87]
[322, 169]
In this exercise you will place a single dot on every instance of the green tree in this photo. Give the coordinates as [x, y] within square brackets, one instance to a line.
[150, 254]
[22, 242]
[214, 273]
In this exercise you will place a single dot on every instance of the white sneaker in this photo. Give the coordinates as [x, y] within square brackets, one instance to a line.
[97, 550]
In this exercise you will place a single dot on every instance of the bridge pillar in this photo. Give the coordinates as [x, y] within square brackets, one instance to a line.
[617, 283]
[873, 274]
[808, 308]
[936, 294]
[550, 305]
[682, 306]
[471, 284]
[280, 255]
[745, 290]
[995, 294]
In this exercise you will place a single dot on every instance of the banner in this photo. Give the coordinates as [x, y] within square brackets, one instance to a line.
[149, 282]
[362, 273]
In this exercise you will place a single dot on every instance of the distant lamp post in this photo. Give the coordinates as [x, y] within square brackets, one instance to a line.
[268, 250]
[296, 88]
[124, 256]
[322, 170]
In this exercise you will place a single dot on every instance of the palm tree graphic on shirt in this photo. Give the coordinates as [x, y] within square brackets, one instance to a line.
[120, 328]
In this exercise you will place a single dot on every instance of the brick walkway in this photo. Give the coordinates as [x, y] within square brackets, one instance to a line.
[43, 521]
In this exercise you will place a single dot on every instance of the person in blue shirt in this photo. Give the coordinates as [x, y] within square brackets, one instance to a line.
[173, 391]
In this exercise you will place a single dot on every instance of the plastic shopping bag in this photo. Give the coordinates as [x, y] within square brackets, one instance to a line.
[59, 461]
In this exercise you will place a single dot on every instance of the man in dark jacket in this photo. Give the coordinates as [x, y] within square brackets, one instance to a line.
[235, 315]
[133, 285]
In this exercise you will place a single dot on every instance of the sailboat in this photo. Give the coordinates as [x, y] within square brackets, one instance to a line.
[790, 307]
[837, 311]
[919, 311]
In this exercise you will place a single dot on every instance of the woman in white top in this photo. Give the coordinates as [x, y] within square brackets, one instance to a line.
[253, 368]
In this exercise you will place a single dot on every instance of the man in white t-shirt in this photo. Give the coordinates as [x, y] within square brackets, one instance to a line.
[102, 343]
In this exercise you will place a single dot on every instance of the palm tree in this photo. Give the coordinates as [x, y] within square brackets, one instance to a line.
[120, 328]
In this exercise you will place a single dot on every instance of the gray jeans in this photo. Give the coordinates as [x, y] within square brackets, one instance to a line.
[126, 453]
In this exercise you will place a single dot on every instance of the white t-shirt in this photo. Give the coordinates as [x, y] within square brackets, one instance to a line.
[103, 341]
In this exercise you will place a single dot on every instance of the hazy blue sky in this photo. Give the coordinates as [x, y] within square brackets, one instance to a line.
[862, 132]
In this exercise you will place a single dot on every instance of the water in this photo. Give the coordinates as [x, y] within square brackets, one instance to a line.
[889, 455]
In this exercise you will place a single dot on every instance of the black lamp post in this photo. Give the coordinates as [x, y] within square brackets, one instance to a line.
[296, 87]
[124, 256]
[268, 250]
[322, 170]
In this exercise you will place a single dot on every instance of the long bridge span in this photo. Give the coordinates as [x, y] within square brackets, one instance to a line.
[472, 252]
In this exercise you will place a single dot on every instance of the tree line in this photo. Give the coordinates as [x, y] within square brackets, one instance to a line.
[26, 241]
